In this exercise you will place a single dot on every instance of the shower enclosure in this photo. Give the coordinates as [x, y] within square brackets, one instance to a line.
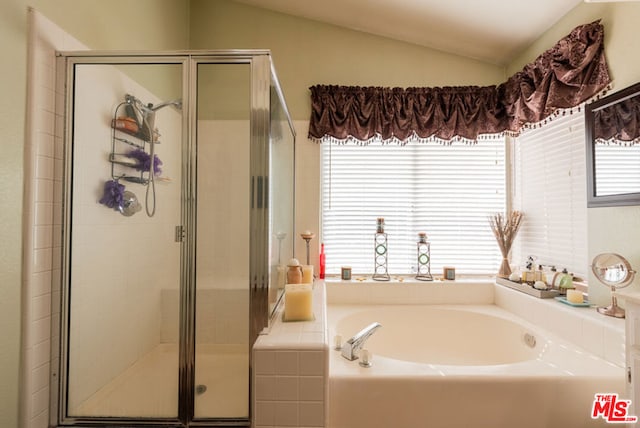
[178, 212]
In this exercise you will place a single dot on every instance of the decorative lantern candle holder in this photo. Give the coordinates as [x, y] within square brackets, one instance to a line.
[380, 272]
[424, 258]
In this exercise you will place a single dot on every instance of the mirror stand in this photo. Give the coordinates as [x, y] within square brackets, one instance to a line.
[612, 310]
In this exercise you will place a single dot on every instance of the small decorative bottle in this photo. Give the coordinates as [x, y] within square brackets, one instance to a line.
[424, 258]
[322, 261]
[380, 272]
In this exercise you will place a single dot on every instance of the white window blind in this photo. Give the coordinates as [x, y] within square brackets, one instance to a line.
[447, 191]
[550, 188]
[617, 169]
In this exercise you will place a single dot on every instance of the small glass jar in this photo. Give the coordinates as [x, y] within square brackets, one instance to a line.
[345, 273]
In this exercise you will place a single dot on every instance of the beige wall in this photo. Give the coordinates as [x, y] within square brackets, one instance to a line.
[609, 229]
[306, 53]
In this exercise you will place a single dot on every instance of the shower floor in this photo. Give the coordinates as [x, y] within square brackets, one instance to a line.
[149, 388]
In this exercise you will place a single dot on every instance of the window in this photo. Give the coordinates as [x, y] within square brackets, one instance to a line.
[446, 191]
[617, 169]
[550, 188]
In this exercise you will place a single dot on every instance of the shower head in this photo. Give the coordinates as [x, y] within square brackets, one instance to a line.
[175, 103]
[146, 114]
[147, 108]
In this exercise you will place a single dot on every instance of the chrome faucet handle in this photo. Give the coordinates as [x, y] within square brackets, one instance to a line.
[351, 349]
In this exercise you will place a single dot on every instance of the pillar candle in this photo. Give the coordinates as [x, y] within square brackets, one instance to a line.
[307, 274]
[298, 302]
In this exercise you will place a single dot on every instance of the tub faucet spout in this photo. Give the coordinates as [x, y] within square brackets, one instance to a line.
[351, 349]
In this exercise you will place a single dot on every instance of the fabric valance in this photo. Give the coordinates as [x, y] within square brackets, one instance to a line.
[571, 72]
[618, 123]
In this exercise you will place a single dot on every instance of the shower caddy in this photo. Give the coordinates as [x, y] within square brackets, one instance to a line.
[125, 124]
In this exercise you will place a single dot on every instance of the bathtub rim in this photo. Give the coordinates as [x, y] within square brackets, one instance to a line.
[549, 365]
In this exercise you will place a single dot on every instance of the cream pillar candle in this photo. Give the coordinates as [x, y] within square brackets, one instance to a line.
[298, 302]
[307, 274]
[575, 296]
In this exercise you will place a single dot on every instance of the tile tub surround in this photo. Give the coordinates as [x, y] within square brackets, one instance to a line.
[291, 370]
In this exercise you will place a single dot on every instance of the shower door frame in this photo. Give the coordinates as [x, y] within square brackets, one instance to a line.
[261, 79]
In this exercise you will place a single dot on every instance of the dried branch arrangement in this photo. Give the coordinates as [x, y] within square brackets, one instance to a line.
[505, 228]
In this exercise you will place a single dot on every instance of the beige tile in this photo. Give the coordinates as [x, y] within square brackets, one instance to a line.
[286, 414]
[40, 283]
[264, 362]
[40, 307]
[41, 329]
[266, 388]
[265, 413]
[43, 237]
[40, 377]
[287, 362]
[287, 388]
[312, 363]
[311, 414]
[311, 388]
[43, 213]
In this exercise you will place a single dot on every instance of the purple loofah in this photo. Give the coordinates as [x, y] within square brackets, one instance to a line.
[144, 162]
[156, 165]
[113, 196]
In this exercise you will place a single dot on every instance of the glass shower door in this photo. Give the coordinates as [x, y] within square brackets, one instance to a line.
[124, 269]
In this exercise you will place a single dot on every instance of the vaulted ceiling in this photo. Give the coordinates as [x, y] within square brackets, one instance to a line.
[493, 31]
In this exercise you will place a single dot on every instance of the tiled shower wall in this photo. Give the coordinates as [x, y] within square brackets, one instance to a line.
[42, 220]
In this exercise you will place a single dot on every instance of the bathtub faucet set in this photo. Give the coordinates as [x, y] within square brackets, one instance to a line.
[351, 349]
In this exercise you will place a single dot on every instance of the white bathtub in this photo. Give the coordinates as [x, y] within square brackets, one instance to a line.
[461, 366]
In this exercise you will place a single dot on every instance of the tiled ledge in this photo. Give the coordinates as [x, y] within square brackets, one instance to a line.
[291, 370]
[601, 335]
[298, 334]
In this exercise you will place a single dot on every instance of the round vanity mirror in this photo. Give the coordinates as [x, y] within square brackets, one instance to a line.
[614, 271]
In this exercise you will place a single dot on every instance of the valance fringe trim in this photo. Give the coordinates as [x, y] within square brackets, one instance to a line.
[615, 142]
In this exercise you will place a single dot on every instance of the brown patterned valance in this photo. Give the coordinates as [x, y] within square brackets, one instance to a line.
[573, 71]
[618, 123]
